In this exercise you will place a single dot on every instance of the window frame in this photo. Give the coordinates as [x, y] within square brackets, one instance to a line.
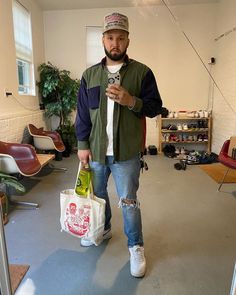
[99, 50]
[24, 51]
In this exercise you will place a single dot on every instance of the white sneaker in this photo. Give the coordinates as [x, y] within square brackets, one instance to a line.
[87, 243]
[137, 261]
[179, 126]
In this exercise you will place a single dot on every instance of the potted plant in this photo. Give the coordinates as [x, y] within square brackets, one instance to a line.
[10, 181]
[59, 96]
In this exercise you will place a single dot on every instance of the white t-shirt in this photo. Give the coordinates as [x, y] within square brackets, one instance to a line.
[110, 111]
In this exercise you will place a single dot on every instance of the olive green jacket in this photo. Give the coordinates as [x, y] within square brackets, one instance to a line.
[128, 125]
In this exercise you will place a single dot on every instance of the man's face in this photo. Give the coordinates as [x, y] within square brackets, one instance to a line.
[115, 44]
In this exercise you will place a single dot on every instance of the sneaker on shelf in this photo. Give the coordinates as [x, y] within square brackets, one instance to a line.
[137, 261]
[199, 137]
[205, 137]
[190, 138]
[171, 115]
[184, 137]
[201, 114]
[206, 114]
[172, 127]
[87, 243]
[205, 124]
[179, 126]
[180, 137]
[200, 124]
[185, 126]
[173, 137]
[167, 137]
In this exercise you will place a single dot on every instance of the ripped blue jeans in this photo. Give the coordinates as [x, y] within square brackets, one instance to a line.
[126, 177]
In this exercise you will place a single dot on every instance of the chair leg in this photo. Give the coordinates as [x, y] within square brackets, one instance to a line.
[25, 204]
[57, 169]
[222, 181]
[20, 203]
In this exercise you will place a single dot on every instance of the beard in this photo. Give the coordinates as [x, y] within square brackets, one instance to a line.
[115, 56]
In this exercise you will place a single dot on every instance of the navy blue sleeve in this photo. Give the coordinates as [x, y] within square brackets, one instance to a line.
[83, 123]
[150, 96]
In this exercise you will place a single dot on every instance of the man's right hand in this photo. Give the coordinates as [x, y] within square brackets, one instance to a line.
[84, 156]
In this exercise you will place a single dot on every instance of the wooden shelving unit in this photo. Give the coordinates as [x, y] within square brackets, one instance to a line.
[197, 136]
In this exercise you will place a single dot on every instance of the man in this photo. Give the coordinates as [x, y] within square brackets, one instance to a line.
[110, 129]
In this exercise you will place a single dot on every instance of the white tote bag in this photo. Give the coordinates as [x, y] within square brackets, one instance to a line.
[83, 217]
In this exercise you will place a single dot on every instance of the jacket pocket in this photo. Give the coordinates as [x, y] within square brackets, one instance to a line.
[94, 97]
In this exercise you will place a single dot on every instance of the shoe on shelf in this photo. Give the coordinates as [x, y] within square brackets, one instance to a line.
[179, 126]
[172, 127]
[205, 137]
[199, 137]
[171, 115]
[167, 137]
[185, 126]
[87, 243]
[137, 261]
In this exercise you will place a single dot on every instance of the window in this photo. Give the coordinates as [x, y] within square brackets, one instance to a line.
[95, 51]
[24, 52]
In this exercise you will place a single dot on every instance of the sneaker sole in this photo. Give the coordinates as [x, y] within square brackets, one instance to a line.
[138, 275]
[85, 243]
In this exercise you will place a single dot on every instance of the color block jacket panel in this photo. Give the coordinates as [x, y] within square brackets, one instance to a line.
[91, 119]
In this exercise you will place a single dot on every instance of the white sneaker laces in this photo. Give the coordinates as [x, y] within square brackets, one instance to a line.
[138, 254]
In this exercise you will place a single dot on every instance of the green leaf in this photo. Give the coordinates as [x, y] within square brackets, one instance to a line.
[14, 183]
[6, 176]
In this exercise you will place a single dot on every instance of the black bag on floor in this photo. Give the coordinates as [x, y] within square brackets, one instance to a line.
[152, 150]
[169, 151]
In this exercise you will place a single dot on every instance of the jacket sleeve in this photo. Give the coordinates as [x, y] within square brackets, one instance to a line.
[149, 103]
[83, 123]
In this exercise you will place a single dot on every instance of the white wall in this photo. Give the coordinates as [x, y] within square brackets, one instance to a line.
[224, 103]
[13, 116]
[156, 40]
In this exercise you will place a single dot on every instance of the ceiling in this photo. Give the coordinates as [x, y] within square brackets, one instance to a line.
[87, 4]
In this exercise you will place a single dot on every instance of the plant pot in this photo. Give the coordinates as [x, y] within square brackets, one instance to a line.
[58, 156]
[68, 150]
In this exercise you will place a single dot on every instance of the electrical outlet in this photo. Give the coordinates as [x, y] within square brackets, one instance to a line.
[7, 92]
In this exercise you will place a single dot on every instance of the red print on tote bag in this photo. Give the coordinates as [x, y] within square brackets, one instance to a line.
[77, 219]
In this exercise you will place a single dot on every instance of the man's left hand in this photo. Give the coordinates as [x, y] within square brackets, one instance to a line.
[120, 95]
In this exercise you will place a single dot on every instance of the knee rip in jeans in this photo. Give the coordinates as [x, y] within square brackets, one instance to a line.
[129, 203]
